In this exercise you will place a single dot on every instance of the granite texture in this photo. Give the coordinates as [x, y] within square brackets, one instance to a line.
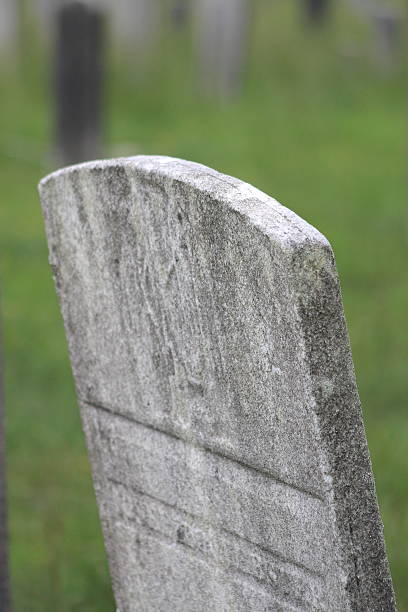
[217, 392]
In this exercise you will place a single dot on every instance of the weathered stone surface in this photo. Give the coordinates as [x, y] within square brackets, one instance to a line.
[217, 392]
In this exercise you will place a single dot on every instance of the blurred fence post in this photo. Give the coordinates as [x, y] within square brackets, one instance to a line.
[221, 37]
[5, 595]
[78, 83]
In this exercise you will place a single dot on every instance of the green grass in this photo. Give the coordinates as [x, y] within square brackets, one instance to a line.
[317, 127]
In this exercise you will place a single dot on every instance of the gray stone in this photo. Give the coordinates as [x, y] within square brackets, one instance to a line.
[78, 78]
[42, 14]
[9, 14]
[387, 25]
[221, 38]
[179, 12]
[136, 27]
[316, 10]
[217, 393]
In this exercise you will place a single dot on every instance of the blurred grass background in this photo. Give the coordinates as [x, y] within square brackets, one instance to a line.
[320, 128]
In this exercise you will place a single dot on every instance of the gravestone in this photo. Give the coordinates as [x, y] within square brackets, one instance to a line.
[221, 32]
[316, 10]
[41, 12]
[42, 15]
[8, 28]
[179, 12]
[78, 73]
[217, 393]
[387, 25]
[135, 26]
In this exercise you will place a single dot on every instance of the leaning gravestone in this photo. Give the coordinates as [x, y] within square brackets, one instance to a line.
[217, 392]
